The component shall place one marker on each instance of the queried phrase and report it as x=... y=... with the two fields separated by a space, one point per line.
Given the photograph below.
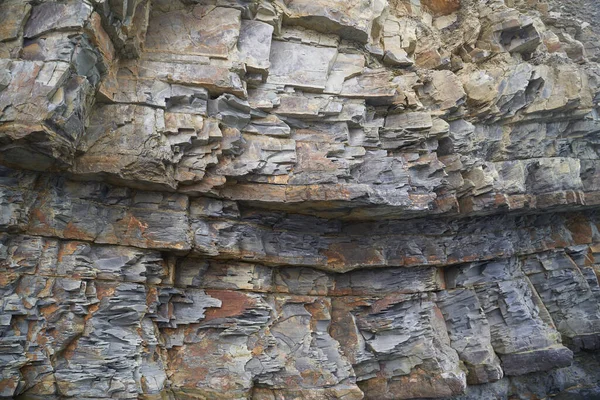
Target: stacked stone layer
x=297 y=199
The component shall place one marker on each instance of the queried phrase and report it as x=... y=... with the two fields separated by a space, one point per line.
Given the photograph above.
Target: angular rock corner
x=299 y=199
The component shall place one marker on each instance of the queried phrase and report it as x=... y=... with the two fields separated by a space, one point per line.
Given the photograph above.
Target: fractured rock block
x=443 y=92
x=143 y=154
x=216 y=360
x=126 y=23
x=306 y=356
x=82 y=260
x=469 y=334
x=399 y=41
x=16 y=197
x=216 y=79
x=57 y=15
x=26 y=346
x=15 y=13
x=409 y=120
x=230 y=110
x=375 y=85
x=209 y=365
x=58 y=102
x=552 y=174
x=320 y=162
x=255 y=45
x=180 y=307
x=300 y=65
x=263 y=155
x=568 y=296
x=223 y=275
x=564 y=87
x=521 y=330
x=28 y=255
x=303 y=281
x=391 y=342
x=202 y=30
x=346 y=66
x=100 y=213
x=104 y=360
x=388 y=281
x=271 y=125
x=78 y=50
x=353 y=21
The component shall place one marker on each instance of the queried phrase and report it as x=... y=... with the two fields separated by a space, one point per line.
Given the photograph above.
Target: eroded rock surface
x=290 y=199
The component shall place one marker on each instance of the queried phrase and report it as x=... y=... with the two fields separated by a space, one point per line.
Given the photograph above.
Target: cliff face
x=299 y=199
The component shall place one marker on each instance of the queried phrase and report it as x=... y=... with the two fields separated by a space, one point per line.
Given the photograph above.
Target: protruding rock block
x=538 y=360
x=74 y=211
x=200 y=30
x=49 y=16
x=576 y=311
x=353 y=20
x=44 y=108
x=505 y=29
x=15 y=13
x=520 y=327
x=144 y=155
x=392 y=340
x=300 y=65
x=255 y=45
x=469 y=333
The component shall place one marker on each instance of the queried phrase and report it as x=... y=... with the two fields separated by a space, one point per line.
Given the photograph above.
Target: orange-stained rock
x=441 y=7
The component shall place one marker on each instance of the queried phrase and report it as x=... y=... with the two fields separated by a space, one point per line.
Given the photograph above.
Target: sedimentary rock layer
x=290 y=199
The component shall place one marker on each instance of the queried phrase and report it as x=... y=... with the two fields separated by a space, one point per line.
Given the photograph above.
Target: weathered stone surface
x=469 y=334
x=202 y=30
x=353 y=20
x=255 y=45
x=56 y=16
x=96 y=212
x=520 y=328
x=15 y=14
x=300 y=65
x=441 y=6
x=143 y=153
x=391 y=341
x=576 y=312
x=235 y=199
x=43 y=113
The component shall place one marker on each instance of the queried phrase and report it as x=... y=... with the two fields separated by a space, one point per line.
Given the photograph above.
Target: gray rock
x=469 y=332
x=56 y=16
x=300 y=65
x=255 y=45
x=241 y=199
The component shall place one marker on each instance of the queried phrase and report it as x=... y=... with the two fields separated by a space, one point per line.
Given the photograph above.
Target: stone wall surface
x=293 y=199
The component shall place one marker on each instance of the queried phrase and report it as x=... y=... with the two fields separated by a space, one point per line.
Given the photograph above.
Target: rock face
x=292 y=199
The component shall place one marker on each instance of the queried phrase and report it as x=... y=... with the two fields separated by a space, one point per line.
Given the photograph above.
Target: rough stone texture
x=298 y=199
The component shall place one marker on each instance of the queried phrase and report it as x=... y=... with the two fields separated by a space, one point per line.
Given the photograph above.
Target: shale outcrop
x=299 y=199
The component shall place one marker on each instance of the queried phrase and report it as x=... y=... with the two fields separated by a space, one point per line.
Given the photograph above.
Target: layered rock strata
x=236 y=199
